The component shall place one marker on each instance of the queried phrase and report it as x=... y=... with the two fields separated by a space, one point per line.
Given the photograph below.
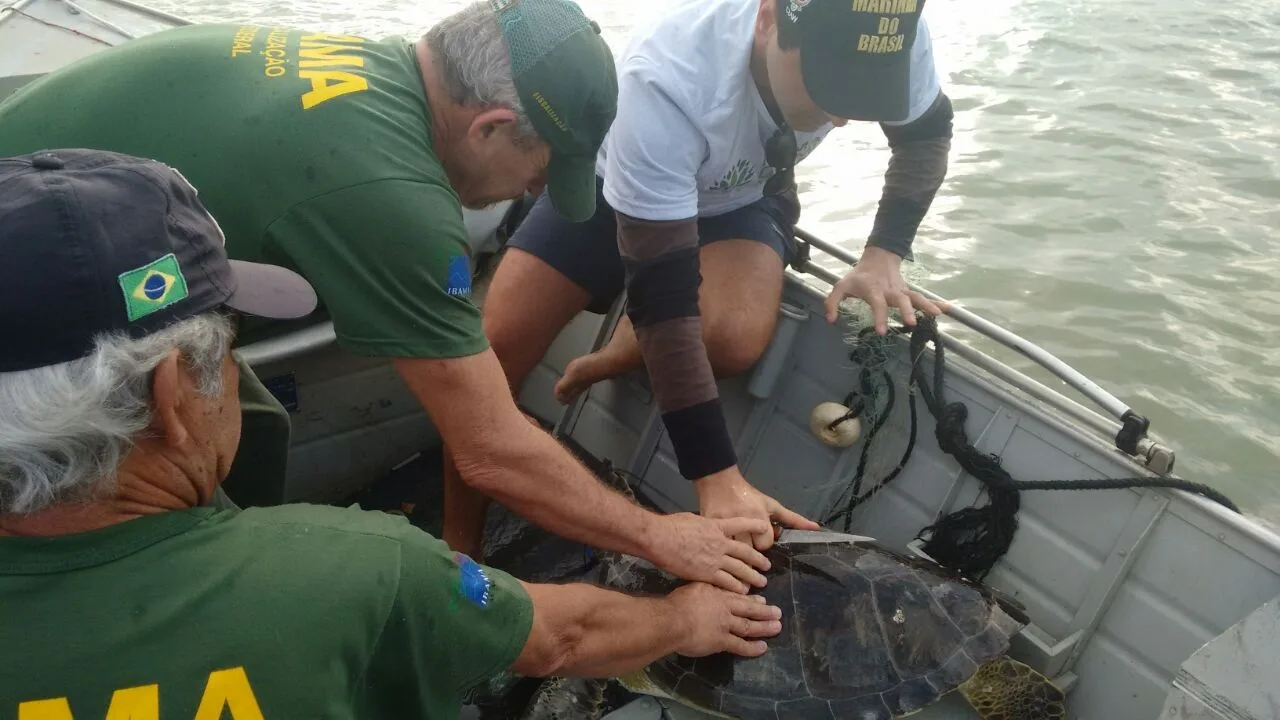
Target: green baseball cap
x=565 y=76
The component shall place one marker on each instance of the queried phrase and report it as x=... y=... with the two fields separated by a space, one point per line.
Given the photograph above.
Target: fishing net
x=879 y=394
x=890 y=377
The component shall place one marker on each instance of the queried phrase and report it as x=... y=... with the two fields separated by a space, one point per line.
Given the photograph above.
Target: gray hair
x=66 y=427
x=471 y=55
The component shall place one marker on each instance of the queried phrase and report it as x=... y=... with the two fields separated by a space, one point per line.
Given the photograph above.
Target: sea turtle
x=868 y=634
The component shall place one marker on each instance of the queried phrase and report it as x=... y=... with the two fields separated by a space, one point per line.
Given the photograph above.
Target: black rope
x=865 y=355
x=971 y=540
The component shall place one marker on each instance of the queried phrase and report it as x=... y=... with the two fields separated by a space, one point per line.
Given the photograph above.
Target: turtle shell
x=867 y=634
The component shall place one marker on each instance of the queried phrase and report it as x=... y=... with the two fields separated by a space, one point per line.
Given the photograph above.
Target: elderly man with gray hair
x=348 y=160
x=126 y=594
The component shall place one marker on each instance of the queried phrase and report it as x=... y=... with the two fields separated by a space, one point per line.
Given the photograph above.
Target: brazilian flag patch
x=153 y=286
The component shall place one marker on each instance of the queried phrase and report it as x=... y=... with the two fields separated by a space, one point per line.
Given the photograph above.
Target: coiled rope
x=971 y=540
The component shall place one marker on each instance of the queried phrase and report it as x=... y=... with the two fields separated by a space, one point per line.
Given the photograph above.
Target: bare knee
x=527 y=305
x=737 y=323
x=735 y=345
x=502 y=326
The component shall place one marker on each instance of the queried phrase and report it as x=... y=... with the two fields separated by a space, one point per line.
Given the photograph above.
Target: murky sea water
x=1114 y=196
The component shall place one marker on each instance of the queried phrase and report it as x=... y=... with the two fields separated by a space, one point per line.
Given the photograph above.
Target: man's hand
x=696 y=548
x=727 y=494
x=877 y=279
x=718 y=621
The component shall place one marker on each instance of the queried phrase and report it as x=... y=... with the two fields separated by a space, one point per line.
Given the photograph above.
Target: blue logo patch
x=459 y=276
x=473 y=581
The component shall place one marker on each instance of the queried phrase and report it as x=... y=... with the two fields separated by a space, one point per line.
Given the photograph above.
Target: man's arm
x=389 y=260
x=499 y=452
x=580 y=630
x=917 y=166
x=919 y=147
x=653 y=154
x=662 y=276
x=489 y=622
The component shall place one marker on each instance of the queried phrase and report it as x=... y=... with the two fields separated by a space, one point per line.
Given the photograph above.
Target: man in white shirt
x=718 y=100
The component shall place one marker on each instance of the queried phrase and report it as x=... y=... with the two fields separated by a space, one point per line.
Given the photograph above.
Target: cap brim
x=571 y=183
x=856 y=86
x=270 y=291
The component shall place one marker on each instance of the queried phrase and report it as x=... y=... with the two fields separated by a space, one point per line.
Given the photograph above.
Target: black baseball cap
x=94 y=242
x=855 y=55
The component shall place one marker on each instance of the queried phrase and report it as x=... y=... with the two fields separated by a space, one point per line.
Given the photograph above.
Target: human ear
x=766 y=19
x=168 y=399
x=492 y=122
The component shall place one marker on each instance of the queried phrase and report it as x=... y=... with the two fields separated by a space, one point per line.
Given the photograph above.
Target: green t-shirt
x=313 y=151
x=295 y=611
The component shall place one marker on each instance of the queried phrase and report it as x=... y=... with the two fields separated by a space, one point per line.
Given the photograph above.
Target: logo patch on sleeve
x=473 y=582
x=459 y=281
x=153 y=287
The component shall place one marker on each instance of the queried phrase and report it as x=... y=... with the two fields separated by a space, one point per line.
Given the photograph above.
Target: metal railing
x=1129 y=429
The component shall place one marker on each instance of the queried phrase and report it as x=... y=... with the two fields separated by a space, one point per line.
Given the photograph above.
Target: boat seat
x=1233 y=676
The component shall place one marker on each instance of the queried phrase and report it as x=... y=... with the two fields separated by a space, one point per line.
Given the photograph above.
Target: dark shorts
x=587 y=253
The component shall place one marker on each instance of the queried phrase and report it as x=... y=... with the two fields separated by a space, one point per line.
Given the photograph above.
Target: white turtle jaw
x=821 y=536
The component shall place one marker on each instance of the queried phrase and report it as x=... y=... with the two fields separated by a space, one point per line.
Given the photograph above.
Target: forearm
x=500 y=453
x=585 y=631
x=528 y=471
x=662 y=275
x=917 y=167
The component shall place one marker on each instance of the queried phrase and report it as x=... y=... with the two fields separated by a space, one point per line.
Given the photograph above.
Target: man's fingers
x=744 y=628
x=747 y=607
x=905 y=307
x=744 y=572
x=833 y=301
x=729 y=583
x=928 y=306
x=736 y=526
x=880 y=311
x=745 y=648
x=749 y=555
x=793 y=519
x=763 y=541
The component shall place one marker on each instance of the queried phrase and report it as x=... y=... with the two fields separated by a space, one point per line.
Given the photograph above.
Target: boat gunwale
x=1247 y=526
x=17 y=9
x=320 y=336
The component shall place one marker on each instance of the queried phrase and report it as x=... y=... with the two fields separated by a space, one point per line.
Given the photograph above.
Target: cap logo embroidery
x=539 y=98
x=153 y=287
x=887 y=38
x=459 y=281
x=794 y=7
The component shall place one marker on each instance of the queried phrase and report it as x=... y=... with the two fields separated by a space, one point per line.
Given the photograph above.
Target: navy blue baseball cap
x=855 y=55
x=95 y=242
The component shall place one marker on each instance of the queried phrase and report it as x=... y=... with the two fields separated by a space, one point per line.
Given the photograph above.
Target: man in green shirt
x=348 y=160
x=125 y=595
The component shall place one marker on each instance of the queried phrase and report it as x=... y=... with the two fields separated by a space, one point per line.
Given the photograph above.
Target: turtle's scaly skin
x=567 y=699
x=1005 y=689
x=868 y=634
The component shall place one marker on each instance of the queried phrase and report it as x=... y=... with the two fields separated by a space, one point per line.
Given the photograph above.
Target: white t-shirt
x=691 y=126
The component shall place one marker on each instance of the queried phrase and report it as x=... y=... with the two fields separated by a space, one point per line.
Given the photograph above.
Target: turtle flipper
x=1005 y=689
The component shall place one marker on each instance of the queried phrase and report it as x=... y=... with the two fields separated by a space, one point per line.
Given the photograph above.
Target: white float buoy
x=843 y=434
